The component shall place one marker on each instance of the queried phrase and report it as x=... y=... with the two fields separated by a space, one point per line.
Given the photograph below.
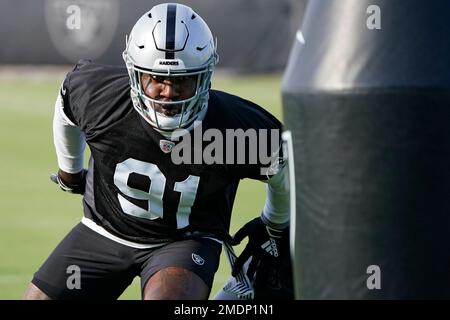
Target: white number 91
x=187 y=188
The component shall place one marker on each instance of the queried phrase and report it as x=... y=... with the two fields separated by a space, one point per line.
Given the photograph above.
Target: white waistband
x=99 y=229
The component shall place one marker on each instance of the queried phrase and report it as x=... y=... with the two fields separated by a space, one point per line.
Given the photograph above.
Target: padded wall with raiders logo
x=252 y=35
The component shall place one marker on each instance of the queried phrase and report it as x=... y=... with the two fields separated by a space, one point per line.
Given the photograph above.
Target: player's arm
x=69 y=143
x=269 y=232
x=276 y=212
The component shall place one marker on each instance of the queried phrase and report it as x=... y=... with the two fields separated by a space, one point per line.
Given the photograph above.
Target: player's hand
x=73 y=183
x=264 y=244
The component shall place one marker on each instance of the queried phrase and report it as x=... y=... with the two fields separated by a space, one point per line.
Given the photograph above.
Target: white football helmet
x=170 y=40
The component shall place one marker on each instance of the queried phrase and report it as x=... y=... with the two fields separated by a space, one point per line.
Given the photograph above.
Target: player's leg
x=34 y=293
x=85 y=265
x=175 y=283
x=182 y=270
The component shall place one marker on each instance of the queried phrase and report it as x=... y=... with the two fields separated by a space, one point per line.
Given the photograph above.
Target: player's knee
x=34 y=293
x=174 y=283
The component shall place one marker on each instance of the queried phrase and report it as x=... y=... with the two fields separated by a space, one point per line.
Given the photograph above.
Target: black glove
x=263 y=244
x=72 y=188
x=273 y=278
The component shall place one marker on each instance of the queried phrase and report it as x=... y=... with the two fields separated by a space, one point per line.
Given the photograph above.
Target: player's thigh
x=175 y=283
x=86 y=265
x=34 y=293
x=181 y=270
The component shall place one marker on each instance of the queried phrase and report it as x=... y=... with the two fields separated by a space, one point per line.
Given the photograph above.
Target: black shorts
x=87 y=265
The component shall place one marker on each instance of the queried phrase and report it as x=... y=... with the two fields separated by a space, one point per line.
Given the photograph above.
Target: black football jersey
x=134 y=189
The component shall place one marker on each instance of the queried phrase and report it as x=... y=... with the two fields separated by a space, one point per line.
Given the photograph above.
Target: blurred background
x=254 y=36
x=40 y=41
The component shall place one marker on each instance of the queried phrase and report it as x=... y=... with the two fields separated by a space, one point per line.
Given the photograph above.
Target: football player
x=145 y=215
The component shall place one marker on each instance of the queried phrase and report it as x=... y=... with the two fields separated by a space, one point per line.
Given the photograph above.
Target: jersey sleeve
x=94 y=96
x=254 y=141
x=68 y=139
x=276 y=211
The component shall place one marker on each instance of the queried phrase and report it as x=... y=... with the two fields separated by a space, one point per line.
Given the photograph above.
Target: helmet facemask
x=189 y=107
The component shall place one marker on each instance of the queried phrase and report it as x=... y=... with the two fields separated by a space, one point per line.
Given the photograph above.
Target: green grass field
x=35 y=215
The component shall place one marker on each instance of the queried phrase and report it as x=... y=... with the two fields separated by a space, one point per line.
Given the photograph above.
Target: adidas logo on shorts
x=271 y=247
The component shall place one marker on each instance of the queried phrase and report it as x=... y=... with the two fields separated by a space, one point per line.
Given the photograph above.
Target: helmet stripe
x=170 y=31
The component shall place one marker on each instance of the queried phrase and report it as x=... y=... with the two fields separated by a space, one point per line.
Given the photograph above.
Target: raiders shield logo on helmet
x=166 y=145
